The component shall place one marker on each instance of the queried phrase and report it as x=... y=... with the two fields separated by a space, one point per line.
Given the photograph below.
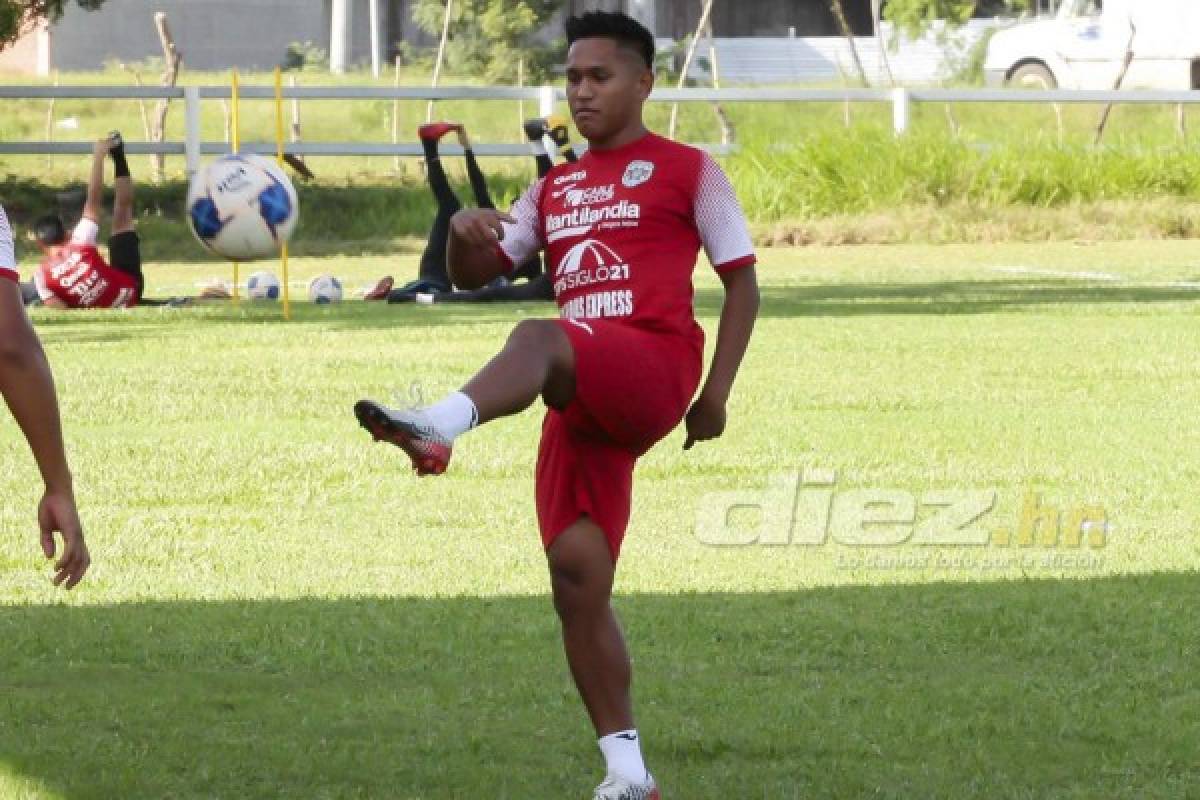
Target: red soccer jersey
x=622 y=228
x=80 y=277
x=8 y=261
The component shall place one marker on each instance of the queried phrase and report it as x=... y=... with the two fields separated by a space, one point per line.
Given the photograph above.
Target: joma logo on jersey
x=587 y=263
x=574 y=177
x=581 y=220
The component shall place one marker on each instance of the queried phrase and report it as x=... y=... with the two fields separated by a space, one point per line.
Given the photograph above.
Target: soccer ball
x=325 y=289
x=242 y=207
x=263 y=286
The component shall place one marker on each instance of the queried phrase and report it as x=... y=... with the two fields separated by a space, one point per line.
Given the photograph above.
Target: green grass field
x=278 y=609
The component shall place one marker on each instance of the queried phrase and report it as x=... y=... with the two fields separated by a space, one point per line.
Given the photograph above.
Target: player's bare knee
x=578 y=596
x=536 y=336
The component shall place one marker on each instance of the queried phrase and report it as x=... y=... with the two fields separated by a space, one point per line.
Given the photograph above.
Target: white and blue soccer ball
x=242 y=207
x=263 y=285
x=325 y=289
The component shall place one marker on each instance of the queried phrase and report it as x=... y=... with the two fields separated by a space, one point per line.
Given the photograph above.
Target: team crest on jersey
x=637 y=173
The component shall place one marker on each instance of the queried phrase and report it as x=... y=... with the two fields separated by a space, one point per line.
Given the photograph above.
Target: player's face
x=607 y=84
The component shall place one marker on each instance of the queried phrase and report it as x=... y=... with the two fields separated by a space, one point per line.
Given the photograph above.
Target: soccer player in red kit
x=621 y=228
x=73 y=274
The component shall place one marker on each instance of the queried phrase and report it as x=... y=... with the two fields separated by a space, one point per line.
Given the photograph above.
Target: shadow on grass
x=1028 y=689
x=943 y=298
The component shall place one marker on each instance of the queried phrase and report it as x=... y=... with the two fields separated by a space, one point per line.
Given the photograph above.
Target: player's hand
x=705 y=420
x=57 y=514
x=480 y=227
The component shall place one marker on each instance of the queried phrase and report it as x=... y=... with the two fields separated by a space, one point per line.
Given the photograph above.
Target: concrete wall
x=211 y=34
x=22 y=57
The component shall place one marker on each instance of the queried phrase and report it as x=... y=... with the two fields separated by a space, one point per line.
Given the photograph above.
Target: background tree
x=915 y=17
x=488 y=37
x=19 y=16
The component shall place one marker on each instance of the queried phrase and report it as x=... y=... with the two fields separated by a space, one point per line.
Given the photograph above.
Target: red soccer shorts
x=632 y=387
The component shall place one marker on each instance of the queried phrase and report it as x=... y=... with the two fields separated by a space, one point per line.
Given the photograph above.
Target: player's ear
x=646 y=83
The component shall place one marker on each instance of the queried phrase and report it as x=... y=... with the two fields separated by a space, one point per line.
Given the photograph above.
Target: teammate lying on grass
x=28 y=389
x=433 y=283
x=73 y=274
x=618 y=370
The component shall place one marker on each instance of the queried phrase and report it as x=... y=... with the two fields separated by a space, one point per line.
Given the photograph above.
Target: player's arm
x=28 y=389
x=726 y=237
x=472 y=256
x=706 y=418
x=93 y=206
x=485 y=244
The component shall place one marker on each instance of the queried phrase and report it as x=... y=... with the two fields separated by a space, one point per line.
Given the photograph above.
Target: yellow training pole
x=236 y=141
x=283 y=250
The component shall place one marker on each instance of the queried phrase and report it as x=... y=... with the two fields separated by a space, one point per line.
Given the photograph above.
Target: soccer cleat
x=380 y=290
x=411 y=431
x=615 y=788
x=408 y=292
x=432 y=131
x=115 y=142
x=535 y=129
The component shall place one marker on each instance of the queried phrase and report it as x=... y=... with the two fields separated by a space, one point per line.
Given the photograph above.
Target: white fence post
x=546 y=101
x=191 y=144
x=901 y=110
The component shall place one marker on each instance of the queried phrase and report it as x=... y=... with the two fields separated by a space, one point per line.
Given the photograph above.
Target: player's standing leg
x=581 y=576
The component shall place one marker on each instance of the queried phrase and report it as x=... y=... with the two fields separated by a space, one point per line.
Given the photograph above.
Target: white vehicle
x=1085 y=44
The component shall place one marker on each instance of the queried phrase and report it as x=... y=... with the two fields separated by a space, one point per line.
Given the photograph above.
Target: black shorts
x=125 y=254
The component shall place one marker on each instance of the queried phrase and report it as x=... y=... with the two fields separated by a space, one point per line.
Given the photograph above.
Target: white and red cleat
x=411 y=431
x=615 y=788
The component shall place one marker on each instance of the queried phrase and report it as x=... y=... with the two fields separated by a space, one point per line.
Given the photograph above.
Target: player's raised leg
x=122 y=220
x=431 y=275
x=581 y=576
x=536 y=361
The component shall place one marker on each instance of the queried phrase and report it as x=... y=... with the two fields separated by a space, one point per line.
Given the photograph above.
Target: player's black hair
x=622 y=28
x=49 y=230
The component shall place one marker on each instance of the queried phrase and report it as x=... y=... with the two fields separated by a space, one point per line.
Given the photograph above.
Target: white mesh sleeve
x=8 y=258
x=524 y=239
x=719 y=219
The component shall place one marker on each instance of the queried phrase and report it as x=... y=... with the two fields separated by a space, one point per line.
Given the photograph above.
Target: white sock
x=623 y=753
x=454 y=415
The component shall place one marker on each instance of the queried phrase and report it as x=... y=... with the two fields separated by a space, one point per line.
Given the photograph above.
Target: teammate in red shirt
x=621 y=228
x=73 y=274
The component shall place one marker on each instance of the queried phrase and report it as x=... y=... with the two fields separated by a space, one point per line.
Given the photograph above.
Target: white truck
x=1085 y=44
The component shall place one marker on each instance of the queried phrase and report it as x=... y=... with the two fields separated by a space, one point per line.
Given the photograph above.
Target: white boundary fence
x=902 y=101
